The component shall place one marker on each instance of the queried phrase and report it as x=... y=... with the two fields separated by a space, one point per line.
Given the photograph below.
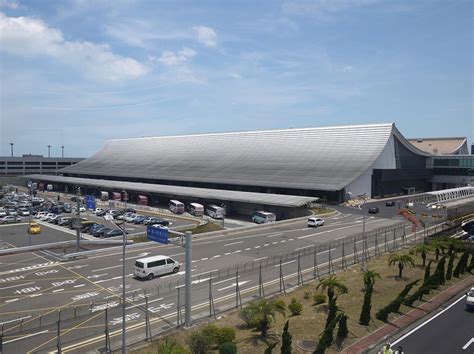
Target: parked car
x=100 y=231
x=67 y=208
x=373 y=210
x=161 y=222
x=55 y=219
x=23 y=212
x=470 y=299
x=64 y=221
x=101 y=213
x=9 y=219
x=98 y=210
x=12 y=212
x=139 y=219
x=86 y=225
x=315 y=222
x=129 y=210
x=3 y=212
x=112 y=233
x=94 y=227
x=129 y=217
x=390 y=203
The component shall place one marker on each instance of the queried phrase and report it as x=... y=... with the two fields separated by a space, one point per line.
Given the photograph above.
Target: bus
x=176 y=206
x=215 y=212
x=196 y=209
x=263 y=217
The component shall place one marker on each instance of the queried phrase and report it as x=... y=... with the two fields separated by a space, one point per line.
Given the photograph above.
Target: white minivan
x=315 y=222
x=151 y=267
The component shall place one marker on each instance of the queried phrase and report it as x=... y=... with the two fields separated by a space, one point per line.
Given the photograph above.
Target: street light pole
x=62 y=151
x=364 y=240
x=49 y=150
x=11 y=148
x=78 y=220
x=124 y=307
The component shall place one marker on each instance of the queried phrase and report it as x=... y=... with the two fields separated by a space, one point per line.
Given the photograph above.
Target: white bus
x=151 y=267
x=263 y=217
x=215 y=212
x=176 y=206
x=196 y=209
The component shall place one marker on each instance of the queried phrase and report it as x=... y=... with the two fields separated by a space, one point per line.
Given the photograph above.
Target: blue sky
x=78 y=72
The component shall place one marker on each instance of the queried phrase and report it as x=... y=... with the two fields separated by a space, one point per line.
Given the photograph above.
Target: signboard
x=157 y=234
x=90 y=202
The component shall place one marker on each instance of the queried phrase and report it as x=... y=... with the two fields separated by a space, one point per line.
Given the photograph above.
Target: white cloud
x=322 y=9
x=176 y=58
x=29 y=37
x=206 y=35
x=9 y=4
x=236 y=76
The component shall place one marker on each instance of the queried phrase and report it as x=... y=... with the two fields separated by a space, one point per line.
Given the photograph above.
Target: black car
x=129 y=210
x=113 y=233
x=373 y=210
x=99 y=232
x=101 y=213
x=390 y=203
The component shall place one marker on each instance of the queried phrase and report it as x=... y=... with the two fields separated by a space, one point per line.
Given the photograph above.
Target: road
x=452 y=331
x=34 y=286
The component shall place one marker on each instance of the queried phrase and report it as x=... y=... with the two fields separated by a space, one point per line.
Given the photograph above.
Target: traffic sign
x=157 y=234
x=90 y=202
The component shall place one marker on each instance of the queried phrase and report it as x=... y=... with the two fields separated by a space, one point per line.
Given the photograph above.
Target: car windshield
x=138 y=264
x=470 y=293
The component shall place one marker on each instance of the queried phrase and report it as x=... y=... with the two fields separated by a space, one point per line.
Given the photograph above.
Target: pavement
x=374 y=341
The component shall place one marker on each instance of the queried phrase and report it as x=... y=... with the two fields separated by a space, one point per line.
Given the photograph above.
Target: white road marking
x=332 y=249
x=248 y=249
x=296 y=249
x=259 y=259
x=275 y=235
x=15 y=286
x=78 y=266
x=79 y=286
x=257 y=246
x=274 y=242
x=233 y=285
x=225 y=280
x=291 y=239
x=427 y=321
x=293 y=261
x=101 y=269
x=35 y=295
x=216 y=256
x=265 y=245
x=468 y=343
x=57 y=290
x=11 y=300
x=15 y=320
x=204 y=259
x=95 y=276
x=226 y=254
x=28 y=336
x=238 y=251
x=233 y=243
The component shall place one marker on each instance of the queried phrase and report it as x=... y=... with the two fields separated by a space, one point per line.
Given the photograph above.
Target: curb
x=401 y=323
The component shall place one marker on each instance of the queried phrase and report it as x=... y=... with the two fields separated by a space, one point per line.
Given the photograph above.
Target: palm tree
x=332 y=284
x=423 y=249
x=439 y=246
x=369 y=277
x=263 y=312
x=401 y=260
x=451 y=244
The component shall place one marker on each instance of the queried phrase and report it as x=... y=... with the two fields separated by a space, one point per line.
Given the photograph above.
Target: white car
x=3 y=212
x=315 y=222
x=130 y=218
x=470 y=299
x=98 y=210
x=9 y=219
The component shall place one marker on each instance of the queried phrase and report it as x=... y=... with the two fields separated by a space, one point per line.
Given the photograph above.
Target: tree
x=426 y=277
x=369 y=277
x=471 y=264
x=402 y=261
x=169 y=346
x=449 y=271
x=332 y=285
x=439 y=274
x=286 y=340
x=462 y=265
x=327 y=337
x=270 y=347
x=295 y=307
x=262 y=313
x=439 y=246
x=423 y=249
x=332 y=311
x=394 y=305
x=452 y=244
x=364 y=317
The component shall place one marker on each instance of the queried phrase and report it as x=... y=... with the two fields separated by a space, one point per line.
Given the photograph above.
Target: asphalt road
x=452 y=331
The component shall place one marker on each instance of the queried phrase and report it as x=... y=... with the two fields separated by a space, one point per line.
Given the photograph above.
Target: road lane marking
x=276 y=234
x=427 y=321
x=15 y=286
x=225 y=280
x=35 y=295
x=332 y=249
x=301 y=248
x=233 y=243
x=259 y=259
x=101 y=269
x=28 y=336
x=233 y=285
x=12 y=300
x=468 y=344
x=79 y=286
x=15 y=320
x=293 y=261
x=57 y=290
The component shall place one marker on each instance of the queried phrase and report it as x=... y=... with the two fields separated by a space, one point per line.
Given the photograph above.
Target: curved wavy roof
x=327 y=158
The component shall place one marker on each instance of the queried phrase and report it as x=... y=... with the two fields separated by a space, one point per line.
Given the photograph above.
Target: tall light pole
x=11 y=148
x=49 y=150
x=364 y=240
x=78 y=220
x=62 y=151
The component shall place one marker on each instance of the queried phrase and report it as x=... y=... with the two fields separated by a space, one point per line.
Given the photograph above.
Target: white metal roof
x=184 y=192
x=327 y=158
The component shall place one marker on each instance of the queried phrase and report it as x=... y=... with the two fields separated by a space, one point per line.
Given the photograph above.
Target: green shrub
x=212 y=332
x=449 y=270
x=227 y=348
x=286 y=339
x=169 y=346
x=319 y=298
x=364 y=317
x=342 y=330
x=199 y=343
x=225 y=335
x=295 y=307
x=307 y=295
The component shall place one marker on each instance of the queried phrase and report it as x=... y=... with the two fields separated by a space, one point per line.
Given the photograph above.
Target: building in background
x=34 y=164
x=442 y=146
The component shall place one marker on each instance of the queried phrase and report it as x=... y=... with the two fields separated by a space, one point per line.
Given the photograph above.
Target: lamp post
x=49 y=150
x=364 y=240
x=11 y=148
x=62 y=151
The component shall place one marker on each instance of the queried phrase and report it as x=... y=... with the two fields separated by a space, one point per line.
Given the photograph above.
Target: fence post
x=58 y=336
x=331 y=267
x=261 y=292
x=238 y=300
x=107 y=338
x=385 y=236
x=282 y=280
x=395 y=245
x=376 y=247
x=356 y=256
x=1 y=339
x=178 y=310
x=211 y=299
x=147 y=320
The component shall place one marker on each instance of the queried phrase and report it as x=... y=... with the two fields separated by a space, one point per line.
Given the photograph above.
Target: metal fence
x=270 y=276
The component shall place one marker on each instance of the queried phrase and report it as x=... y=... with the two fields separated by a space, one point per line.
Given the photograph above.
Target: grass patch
x=310 y=323
x=209 y=227
x=321 y=210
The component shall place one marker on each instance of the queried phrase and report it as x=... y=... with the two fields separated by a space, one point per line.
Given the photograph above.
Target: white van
x=263 y=217
x=196 y=209
x=151 y=267
x=176 y=206
x=215 y=212
x=315 y=222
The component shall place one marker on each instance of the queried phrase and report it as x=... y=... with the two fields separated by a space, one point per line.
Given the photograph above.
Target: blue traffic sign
x=157 y=234
x=90 y=202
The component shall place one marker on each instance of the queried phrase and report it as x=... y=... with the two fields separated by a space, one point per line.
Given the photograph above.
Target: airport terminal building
x=288 y=167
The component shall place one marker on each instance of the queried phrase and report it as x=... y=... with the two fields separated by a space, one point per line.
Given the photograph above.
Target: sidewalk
x=390 y=329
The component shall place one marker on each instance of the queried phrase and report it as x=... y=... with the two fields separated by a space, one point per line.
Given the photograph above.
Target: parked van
x=150 y=267
x=176 y=206
x=263 y=217
x=196 y=209
x=104 y=196
x=215 y=212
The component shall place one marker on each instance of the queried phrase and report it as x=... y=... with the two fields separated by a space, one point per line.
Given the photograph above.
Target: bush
x=342 y=330
x=199 y=343
x=449 y=270
x=364 y=318
x=319 y=298
x=247 y=315
x=212 y=332
x=307 y=295
x=227 y=348
x=394 y=306
x=295 y=307
x=169 y=346
x=225 y=335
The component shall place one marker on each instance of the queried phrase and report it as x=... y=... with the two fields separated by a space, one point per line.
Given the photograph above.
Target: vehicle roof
x=196 y=205
x=264 y=212
x=175 y=201
x=152 y=258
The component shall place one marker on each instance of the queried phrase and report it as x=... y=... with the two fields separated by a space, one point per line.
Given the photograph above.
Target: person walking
x=399 y=350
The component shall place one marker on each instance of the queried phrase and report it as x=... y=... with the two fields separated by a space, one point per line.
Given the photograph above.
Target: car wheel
x=150 y=276
x=175 y=270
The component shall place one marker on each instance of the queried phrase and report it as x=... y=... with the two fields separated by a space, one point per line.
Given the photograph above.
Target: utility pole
x=78 y=220
x=187 y=278
x=62 y=151
x=124 y=302
x=11 y=148
x=49 y=150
